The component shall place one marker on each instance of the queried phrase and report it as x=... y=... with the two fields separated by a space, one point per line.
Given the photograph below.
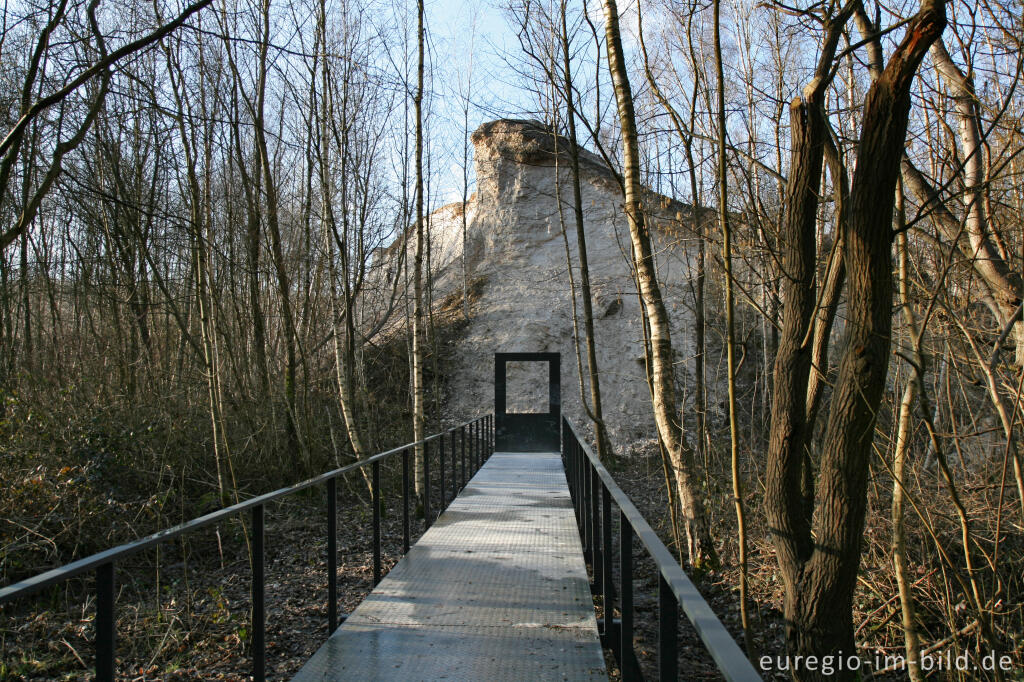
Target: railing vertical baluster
x=332 y=554
x=462 y=448
x=259 y=644
x=566 y=462
x=375 y=484
x=581 y=467
x=455 y=465
x=426 y=481
x=440 y=457
x=574 y=458
x=668 y=624
x=405 y=501
x=576 y=465
x=595 y=526
x=591 y=512
x=588 y=543
x=607 y=586
x=626 y=597
x=106 y=623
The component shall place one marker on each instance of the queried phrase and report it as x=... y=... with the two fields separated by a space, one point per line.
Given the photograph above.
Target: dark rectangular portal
x=525 y=423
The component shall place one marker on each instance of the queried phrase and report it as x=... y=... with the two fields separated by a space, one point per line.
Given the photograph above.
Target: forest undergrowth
x=92 y=470
x=940 y=607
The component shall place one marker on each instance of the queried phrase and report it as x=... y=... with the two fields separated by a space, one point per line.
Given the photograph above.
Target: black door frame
x=527 y=432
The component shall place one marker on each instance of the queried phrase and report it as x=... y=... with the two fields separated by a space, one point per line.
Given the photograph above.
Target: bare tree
x=700 y=549
x=819 y=555
x=418 y=318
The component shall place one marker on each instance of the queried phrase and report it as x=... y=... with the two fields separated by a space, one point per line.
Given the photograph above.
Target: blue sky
x=454 y=26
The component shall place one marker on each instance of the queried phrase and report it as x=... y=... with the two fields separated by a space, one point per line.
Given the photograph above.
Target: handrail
x=28 y=586
x=480 y=432
x=584 y=471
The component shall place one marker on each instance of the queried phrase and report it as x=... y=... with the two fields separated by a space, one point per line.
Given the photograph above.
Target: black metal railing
x=593 y=492
x=469 y=446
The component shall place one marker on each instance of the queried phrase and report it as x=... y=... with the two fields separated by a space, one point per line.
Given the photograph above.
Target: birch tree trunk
x=700 y=549
x=730 y=330
x=418 y=336
x=904 y=431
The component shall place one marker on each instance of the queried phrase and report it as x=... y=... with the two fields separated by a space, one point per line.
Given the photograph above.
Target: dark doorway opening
x=525 y=423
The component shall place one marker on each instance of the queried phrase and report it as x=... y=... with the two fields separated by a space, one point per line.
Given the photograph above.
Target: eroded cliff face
x=516 y=249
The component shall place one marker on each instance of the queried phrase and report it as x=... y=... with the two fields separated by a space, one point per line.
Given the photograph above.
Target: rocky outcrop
x=515 y=247
x=528 y=143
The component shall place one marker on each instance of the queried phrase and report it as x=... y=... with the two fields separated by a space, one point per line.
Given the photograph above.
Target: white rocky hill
x=516 y=253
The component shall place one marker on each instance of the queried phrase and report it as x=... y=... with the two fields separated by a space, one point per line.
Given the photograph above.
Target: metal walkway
x=495 y=590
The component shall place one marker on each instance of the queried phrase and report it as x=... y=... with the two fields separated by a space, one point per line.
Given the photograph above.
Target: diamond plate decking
x=495 y=590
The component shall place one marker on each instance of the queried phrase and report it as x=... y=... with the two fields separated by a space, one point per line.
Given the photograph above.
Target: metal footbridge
x=497 y=589
x=503 y=583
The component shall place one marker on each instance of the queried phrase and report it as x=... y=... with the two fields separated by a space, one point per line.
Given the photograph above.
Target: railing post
x=106 y=623
x=577 y=455
x=588 y=536
x=561 y=435
x=462 y=447
x=607 y=584
x=573 y=471
x=595 y=526
x=440 y=457
x=668 y=624
x=455 y=465
x=564 y=440
x=259 y=645
x=427 y=521
x=405 y=501
x=576 y=483
x=626 y=657
x=375 y=483
x=332 y=555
